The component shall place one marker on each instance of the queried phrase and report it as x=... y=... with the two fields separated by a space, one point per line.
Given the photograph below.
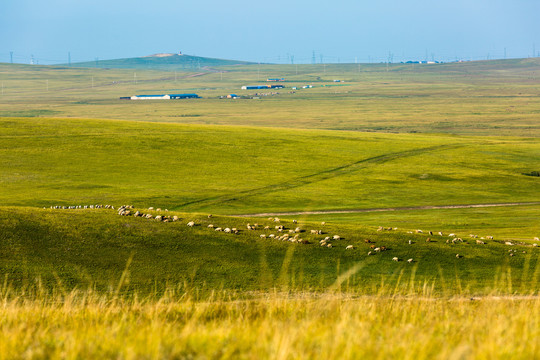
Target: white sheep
x=227 y=230
x=410 y=261
x=377 y=249
x=218 y=229
x=395 y=259
x=262 y=236
x=336 y=237
x=191 y=224
x=349 y=247
x=329 y=245
x=211 y=226
x=369 y=253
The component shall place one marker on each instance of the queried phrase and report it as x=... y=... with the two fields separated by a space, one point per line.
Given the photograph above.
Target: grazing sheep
x=158 y=209
x=297 y=230
x=175 y=218
x=323 y=243
x=419 y=231
x=267 y=227
x=271 y=236
x=377 y=249
x=262 y=236
x=234 y=230
x=209 y=216
x=383 y=248
x=410 y=242
x=508 y=243
x=369 y=253
x=480 y=242
x=458 y=256
x=440 y=233
x=314 y=231
x=372 y=246
x=535 y=245
x=367 y=241
x=211 y=226
x=536 y=239
x=329 y=245
x=227 y=230
x=428 y=240
x=336 y=237
x=349 y=247
x=410 y=261
x=137 y=214
x=395 y=259
x=276 y=220
x=191 y=224
x=159 y=218
x=218 y=229
x=452 y=235
x=295 y=222
x=511 y=254
x=323 y=223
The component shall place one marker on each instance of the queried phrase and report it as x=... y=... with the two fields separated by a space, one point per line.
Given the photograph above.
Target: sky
x=278 y=31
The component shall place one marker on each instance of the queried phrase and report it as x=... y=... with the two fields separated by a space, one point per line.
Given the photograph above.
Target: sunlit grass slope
x=98 y=249
x=235 y=170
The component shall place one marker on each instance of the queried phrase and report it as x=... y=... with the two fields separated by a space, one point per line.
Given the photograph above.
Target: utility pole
x=313 y=57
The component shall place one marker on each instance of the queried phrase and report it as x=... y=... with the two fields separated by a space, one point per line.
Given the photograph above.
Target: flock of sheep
x=279 y=232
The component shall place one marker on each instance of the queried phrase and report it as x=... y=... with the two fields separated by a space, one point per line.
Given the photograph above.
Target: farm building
x=261 y=87
x=165 y=97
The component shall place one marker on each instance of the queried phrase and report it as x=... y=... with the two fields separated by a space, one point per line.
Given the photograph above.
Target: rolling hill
x=160 y=62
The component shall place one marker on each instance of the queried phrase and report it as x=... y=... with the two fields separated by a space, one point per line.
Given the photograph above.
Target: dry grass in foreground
x=87 y=325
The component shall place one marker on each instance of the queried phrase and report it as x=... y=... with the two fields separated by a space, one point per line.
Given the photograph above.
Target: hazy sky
x=269 y=31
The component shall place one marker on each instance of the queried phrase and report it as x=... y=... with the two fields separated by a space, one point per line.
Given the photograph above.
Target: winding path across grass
x=353 y=211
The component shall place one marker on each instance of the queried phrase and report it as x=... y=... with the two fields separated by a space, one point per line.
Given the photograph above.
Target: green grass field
x=396 y=136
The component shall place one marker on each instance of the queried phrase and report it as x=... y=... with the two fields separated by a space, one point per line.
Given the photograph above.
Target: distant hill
x=160 y=62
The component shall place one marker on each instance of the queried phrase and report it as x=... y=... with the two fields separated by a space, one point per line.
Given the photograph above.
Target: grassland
x=89 y=283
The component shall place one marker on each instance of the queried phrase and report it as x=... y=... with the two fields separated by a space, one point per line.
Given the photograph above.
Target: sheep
x=158 y=209
x=267 y=227
x=227 y=230
x=367 y=241
x=297 y=230
x=276 y=220
x=323 y=223
x=327 y=238
x=508 y=243
x=536 y=239
x=211 y=226
x=262 y=236
x=410 y=260
x=209 y=216
x=383 y=248
x=159 y=218
x=336 y=237
x=428 y=240
x=535 y=245
x=410 y=242
x=458 y=256
x=175 y=218
x=369 y=253
x=377 y=249
x=234 y=230
x=329 y=245
x=314 y=231
x=452 y=235
x=349 y=247
x=440 y=233
x=218 y=229
x=191 y=224
x=395 y=259
x=295 y=221
x=480 y=242
x=419 y=231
